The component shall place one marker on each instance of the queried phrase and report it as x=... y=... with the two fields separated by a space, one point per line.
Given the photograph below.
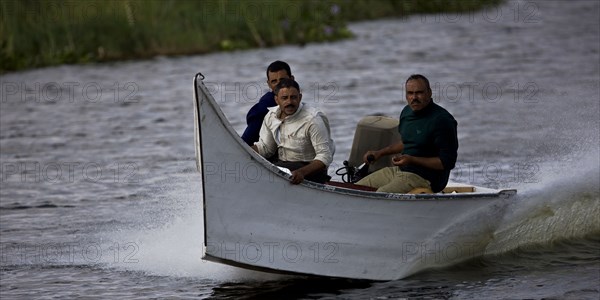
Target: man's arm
x=250 y=134
x=266 y=145
x=255 y=118
x=299 y=174
x=391 y=149
x=434 y=163
x=320 y=141
x=319 y=138
x=445 y=139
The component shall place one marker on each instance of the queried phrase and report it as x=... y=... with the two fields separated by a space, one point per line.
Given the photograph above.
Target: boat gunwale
x=198 y=144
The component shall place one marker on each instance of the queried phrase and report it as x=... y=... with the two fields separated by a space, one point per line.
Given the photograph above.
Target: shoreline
x=52 y=32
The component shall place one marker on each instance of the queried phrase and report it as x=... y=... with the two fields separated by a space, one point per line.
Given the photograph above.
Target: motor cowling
x=373 y=133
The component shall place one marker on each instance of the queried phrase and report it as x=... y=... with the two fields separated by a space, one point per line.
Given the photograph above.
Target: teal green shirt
x=430 y=132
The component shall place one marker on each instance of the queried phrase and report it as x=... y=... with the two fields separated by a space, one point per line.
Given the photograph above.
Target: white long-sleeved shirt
x=303 y=136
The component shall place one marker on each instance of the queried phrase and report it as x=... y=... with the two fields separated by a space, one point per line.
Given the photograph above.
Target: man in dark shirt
x=276 y=71
x=428 y=149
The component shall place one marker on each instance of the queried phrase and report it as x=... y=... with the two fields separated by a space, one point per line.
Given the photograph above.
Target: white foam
x=564 y=203
x=175 y=247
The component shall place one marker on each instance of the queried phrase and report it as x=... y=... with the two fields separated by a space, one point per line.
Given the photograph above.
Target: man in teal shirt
x=428 y=146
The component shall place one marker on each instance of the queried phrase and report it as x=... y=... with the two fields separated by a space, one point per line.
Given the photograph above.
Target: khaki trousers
x=392 y=180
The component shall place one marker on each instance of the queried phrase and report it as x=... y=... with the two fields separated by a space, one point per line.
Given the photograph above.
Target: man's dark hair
x=417 y=77
x=286 y=83
x=279 y=65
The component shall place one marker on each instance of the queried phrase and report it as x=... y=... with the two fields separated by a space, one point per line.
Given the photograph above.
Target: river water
x=100 y=196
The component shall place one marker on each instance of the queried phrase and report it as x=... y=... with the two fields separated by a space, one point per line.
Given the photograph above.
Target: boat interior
x=376 y=132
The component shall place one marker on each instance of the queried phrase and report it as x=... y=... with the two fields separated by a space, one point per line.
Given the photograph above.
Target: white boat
x=255 y=219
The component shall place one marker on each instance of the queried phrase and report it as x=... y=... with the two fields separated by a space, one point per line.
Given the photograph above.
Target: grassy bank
x=36 y=33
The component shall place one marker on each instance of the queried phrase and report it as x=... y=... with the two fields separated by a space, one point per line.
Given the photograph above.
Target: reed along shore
x=38 y=33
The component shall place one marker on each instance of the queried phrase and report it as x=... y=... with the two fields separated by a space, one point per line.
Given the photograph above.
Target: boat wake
x=564 y=204
x=561 y=206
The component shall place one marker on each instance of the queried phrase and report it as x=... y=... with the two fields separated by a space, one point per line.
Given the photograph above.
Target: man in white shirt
x=299 y=135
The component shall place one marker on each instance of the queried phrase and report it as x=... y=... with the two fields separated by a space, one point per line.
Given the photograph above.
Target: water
x=100 y=196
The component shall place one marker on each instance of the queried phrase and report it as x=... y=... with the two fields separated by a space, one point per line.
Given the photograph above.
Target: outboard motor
x=372 y=133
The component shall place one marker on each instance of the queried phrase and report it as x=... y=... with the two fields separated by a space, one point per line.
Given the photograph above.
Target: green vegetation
x=36 y=33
